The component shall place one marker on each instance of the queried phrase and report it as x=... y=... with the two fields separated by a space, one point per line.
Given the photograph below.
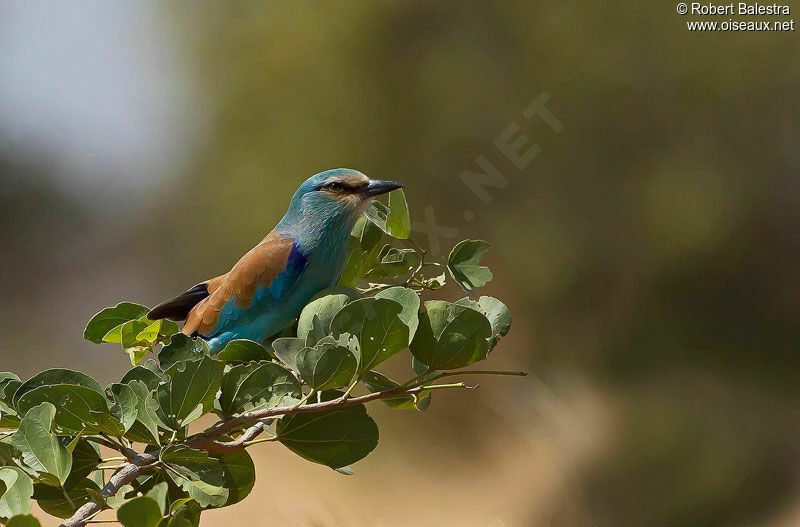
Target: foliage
x=298 y=390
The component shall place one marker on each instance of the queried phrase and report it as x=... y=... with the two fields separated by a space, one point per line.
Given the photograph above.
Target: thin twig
x=249 y=417
x=203 y=442
x=109 y=459
x=129 y=453
x=447 y=386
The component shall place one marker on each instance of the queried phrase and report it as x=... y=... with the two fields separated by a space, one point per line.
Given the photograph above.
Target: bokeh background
x=649 y=253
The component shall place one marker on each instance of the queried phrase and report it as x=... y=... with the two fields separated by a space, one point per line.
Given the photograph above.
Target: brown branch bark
x=127 y=473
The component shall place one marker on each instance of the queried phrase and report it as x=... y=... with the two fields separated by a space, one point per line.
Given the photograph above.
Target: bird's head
x=338 y=194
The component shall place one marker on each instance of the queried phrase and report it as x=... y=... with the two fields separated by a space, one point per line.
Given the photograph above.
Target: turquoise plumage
x=269 y=286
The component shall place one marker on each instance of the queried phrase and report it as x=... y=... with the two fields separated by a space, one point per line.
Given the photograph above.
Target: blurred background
x=648 y=252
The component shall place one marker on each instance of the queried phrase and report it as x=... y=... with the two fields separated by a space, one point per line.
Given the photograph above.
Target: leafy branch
x=307 y=391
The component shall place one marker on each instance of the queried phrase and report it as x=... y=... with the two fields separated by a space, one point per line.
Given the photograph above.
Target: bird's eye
x=334 y=186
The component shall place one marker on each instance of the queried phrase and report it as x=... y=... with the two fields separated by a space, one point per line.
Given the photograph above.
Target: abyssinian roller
x=268 y=287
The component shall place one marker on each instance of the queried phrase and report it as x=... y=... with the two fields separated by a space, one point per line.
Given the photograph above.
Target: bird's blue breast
x=274 y=307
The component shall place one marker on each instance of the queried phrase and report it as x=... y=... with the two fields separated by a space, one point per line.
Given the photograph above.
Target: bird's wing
x=275 y=264
x=178 y=308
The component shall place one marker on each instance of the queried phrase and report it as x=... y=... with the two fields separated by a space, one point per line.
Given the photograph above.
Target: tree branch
x=207 y=441
x=249 y=417
x=127 y=473
x=203 y=442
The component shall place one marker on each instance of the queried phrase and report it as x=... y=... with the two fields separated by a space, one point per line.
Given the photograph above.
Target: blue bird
x=268 y=287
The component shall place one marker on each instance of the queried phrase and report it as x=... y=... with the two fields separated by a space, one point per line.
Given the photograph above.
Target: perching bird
x=268 y=287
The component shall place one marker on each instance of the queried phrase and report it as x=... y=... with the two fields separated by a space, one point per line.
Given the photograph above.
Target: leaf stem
x=418 y=378
x=109 y=459
x=260 y=440
x=447 y=386
x=350 y=389
x=110 y=443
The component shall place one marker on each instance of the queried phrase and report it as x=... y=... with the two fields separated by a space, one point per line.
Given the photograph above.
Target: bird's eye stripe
x=338 y=185
x=335 y=185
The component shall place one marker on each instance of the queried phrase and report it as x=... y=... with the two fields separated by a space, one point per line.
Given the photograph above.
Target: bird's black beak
x=377 y=187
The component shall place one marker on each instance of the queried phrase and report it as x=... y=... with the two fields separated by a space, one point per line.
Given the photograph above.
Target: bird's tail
x=178 y=308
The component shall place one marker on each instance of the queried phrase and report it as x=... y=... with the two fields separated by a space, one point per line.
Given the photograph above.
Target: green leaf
x=160 y=494
x=127 y=333
x=317 y=332
x=9 y=383
x=253 y=386
x=111 y=317
x=324 y=305
x=78 y=409
x=98 y=498
x=179 y=504
x=137 y=353
x=464 y=265
x=450 y=336
x=329 y=364
x=153 y=366
x=53 y=500
x=145 y=427
x=202 y=476
x=23 y=520
x=162 y=327
x=57 y=376
x=85 y=459
x=287 y=348
x=243 y=351
x=140 y=512
x=495 y=311
x=146 y=375
x=181 y=348
x=16 y=498
x=9 y=455
x=362 y=252
x=116 y=501
x=378 y=382
x=6 y=376
x=398 y=222
x=335 y=438
x=393 y=263
x=378 y=213
x=410 y=302
x=124 y=404
x=189 y=393
x=187 y=515
x=423 y=403
x=48 y=460
x=99 y=478
x=377 y=325
x=437 y=282
x=151 y=483
x=240 y=475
